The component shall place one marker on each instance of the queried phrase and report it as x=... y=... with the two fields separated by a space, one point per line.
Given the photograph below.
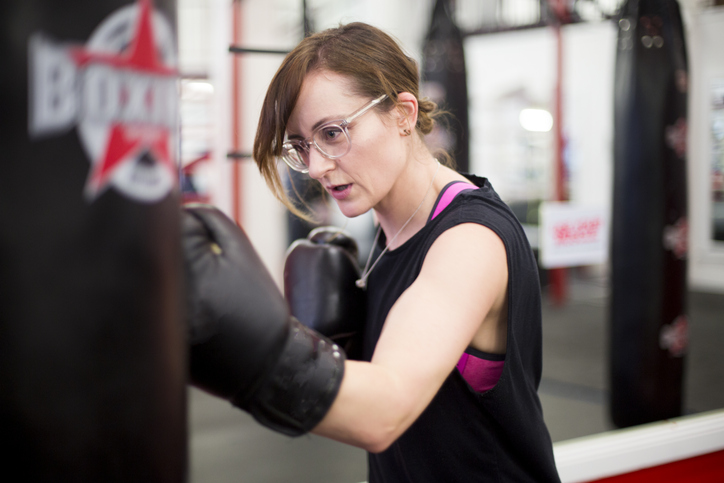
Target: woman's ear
x=408 y=109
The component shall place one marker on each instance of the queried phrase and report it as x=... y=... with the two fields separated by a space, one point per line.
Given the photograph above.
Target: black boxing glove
x=319 y=284
x=244 y=345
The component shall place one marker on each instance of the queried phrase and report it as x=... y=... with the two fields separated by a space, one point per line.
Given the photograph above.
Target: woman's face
x=362 y=178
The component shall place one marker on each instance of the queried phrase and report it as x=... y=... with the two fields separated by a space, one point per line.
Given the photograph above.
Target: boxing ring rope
x=687 y=449
x=639 y=453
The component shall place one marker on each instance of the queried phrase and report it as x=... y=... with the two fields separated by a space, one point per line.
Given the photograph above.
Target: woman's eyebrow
x=317 y=124
x=324 y=121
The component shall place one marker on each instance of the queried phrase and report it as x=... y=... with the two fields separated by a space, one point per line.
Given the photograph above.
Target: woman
x=452 y=344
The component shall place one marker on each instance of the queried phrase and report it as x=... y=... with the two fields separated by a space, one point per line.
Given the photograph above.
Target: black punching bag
x=444 y=81
x=92 y=344
x=649 y=231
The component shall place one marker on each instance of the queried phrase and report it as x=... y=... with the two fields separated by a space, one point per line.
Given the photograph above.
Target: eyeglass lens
x=331 y=140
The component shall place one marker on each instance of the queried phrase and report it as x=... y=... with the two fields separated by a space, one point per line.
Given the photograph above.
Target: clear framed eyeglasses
x=331 y=139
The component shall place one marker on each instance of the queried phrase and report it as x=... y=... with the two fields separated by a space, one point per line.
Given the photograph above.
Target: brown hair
x=369 y=57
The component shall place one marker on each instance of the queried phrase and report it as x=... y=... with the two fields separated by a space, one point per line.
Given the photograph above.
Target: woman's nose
x=319 y=165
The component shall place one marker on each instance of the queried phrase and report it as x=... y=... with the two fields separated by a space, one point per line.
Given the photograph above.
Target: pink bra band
x=481 y=374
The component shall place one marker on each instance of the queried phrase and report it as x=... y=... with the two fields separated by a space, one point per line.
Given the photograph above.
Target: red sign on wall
x=572 y=235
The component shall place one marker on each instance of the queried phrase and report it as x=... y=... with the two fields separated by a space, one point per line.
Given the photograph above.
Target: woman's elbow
x=391 y=423
x=379 y=435
x=378 y=441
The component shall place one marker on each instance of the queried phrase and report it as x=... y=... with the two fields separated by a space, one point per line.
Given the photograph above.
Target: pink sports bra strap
x=449 y=193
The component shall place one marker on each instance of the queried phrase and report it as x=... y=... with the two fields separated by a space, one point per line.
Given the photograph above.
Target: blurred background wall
x=507 y=71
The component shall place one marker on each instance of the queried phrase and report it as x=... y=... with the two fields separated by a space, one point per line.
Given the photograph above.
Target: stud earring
x=406 y=132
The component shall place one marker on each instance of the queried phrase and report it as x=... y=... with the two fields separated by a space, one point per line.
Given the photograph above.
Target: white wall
x=515 y=70
x=588 y=113
x=506 y=73
x=705 y=36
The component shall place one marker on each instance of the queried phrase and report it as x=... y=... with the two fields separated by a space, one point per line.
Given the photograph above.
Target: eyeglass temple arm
x=366 y=108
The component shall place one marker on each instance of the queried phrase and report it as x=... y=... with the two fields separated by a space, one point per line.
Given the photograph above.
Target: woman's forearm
x=371 y=409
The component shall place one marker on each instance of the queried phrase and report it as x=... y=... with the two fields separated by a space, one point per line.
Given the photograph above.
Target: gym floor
x=226 y=445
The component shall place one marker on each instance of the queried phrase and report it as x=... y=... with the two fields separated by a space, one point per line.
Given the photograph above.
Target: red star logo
x=126 y=141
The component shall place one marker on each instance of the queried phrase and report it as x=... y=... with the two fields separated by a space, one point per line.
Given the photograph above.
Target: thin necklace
x=362 y=282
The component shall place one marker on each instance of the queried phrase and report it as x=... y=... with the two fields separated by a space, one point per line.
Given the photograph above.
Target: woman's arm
x=463 y=277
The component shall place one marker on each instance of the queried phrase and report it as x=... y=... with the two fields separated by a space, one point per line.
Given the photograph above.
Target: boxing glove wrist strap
x=302 y=386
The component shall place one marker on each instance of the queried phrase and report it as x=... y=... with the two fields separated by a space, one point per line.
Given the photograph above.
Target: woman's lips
x=340 y=191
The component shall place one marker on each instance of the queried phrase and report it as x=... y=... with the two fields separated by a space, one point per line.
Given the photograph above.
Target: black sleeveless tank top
x=466 y=436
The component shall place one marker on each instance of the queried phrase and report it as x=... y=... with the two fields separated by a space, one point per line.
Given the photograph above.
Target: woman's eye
x=331 y=134
x=299 y=146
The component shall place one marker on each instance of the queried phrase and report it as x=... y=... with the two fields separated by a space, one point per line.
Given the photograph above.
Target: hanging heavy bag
x=92 y=334
x=648 y=324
